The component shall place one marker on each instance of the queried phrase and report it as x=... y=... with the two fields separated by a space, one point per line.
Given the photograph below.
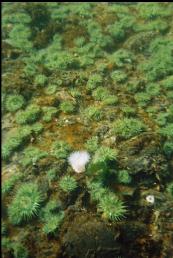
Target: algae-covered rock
x=143 y=155
x=88 y=236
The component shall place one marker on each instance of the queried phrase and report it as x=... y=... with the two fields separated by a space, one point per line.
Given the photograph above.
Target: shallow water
x=94 y=77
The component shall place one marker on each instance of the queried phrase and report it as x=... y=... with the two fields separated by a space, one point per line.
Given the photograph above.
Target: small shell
x=150 y=199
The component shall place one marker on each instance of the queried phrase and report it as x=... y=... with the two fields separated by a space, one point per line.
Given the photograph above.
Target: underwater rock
x=87 y=236
x=132 y=230
x=158 y=197
x=148 y=163
x=143 y=155
x=140 y=41
x=161 y=222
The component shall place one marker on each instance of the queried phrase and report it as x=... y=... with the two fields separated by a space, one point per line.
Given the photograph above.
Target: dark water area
x=87 y=130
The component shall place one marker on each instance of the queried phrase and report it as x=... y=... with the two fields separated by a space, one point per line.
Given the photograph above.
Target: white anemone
x=78 y=160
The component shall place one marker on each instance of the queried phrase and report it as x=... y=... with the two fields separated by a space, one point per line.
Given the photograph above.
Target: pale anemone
x=78 y=160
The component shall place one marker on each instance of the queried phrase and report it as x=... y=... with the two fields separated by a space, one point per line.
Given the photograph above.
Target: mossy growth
x=93 y=113
x=29 y=115
x=68 y=184
x=60 y=149
x=128 y=127
x=26 y=204
x=123 y=177
x=94 y=81
x=112 y=207
x=40 y=80
x=67 y=106
x=14 y=102
x=31 y=155
x=119 y=76
x=49 y=113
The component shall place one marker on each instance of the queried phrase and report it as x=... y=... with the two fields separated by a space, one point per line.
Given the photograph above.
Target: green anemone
x=25 y=204
x=112 y=207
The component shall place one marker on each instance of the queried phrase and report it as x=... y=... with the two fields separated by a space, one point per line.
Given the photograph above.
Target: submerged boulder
x=143 y=155
x=88 y=236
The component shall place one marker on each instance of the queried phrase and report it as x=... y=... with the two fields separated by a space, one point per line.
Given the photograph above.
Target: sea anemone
x=53 y=223
x=104 y=154
x=25 y=204
x=78 y=160
x=68 y=183
x=112 y=207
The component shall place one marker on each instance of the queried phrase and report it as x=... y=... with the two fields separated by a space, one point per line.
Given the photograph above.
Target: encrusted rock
x=143 y=155
x=88 y=236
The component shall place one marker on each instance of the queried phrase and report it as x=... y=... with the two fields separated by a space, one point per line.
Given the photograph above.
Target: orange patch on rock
x=75 y=134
